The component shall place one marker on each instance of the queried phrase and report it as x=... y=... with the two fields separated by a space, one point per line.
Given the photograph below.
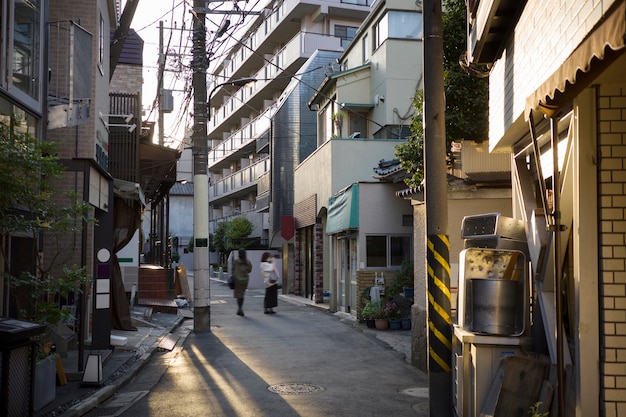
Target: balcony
x=286 y=61
x=272 y=28
x=489 y=23
x=239 y=182
x=239 y=140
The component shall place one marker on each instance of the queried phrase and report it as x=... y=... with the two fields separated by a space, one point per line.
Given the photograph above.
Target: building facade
x=557 y=106
x=258 y=133
x=345 y=237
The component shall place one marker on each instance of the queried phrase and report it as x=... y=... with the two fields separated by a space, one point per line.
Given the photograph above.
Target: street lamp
x=239 y=82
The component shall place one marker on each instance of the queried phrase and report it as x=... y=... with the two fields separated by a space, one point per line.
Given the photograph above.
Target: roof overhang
x=157 y=170
x=602 y=46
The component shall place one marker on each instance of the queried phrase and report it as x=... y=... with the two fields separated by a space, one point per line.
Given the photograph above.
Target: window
x=101 y=42
x=403 y=25
x=358 y=123
x=376 y=248
x=345 y=33
x=387 y=251
x=357 y=2
x=27 y=47
x=397 y=25
x=366 y=48
x=400 y=249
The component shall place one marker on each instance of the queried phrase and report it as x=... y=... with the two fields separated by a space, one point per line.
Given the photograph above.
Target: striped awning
x=602 y=46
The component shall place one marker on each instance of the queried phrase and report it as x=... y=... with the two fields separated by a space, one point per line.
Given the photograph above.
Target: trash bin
x=17 y=358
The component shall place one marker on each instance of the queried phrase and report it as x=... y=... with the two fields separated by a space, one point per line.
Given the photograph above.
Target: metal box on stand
x=493 y=292
x=493 y=310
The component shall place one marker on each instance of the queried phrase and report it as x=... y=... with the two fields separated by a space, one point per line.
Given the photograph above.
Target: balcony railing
x=239 y=180
x=303 y=45
x=248 y=133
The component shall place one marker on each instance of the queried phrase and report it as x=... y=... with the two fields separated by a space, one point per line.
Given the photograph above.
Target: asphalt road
x=298 y=362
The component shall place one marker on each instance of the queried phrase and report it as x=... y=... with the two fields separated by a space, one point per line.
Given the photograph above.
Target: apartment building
x=259 y=132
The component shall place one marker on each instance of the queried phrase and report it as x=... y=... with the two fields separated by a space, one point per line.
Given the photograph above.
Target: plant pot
x=381 y=324
x=406 y=323
x=370 y=323
x=409 y=292
x=395 y=324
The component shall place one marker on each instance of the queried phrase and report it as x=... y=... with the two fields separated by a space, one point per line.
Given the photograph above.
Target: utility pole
x=162 y=59
x=202 y=291
x=436 y=192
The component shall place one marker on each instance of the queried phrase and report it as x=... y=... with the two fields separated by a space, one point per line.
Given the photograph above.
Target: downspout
x=556 y=229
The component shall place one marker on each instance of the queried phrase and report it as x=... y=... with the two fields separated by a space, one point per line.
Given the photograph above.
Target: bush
x=402 y=279
x=373 y=310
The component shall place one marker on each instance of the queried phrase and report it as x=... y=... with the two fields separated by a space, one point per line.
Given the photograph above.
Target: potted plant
x=392 y=311
x=369 y=312
x=376 y=311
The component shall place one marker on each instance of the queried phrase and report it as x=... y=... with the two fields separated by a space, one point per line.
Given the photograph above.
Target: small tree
x=466 y=98
x=237 y=232
x=29 y=207
x=230 y=235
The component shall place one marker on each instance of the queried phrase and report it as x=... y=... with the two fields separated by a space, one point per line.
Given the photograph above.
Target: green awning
x=343 y=210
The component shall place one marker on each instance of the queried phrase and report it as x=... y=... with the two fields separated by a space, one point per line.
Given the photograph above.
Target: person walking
x=270 y=279
x=241 y=276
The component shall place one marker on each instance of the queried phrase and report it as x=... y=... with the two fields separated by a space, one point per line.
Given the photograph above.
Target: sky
x=177 y=38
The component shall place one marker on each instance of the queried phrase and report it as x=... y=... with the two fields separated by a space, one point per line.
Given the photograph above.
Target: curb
x=106 y=392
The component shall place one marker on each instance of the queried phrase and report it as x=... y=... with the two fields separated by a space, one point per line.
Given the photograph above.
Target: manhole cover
x=421 y=407
x=416 y=392
x=296 y=388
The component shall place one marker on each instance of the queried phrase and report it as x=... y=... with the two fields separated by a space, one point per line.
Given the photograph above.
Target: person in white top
x=270 y=279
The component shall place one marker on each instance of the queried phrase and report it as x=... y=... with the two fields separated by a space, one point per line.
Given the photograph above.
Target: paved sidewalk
x=154 y=332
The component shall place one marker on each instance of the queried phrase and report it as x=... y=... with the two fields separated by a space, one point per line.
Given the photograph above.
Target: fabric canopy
x=343 y=210
x=595 y=53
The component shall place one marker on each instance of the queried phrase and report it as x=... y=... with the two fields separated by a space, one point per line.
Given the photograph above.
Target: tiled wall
x=612 y=212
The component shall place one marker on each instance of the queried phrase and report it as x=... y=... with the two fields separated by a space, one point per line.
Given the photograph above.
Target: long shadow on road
x=299 y=362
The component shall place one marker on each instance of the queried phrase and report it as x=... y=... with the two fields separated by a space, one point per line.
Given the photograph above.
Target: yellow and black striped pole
x=436 y=193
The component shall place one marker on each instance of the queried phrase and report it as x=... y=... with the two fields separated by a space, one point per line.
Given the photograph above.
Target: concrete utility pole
x=436 y=192
x=202 y=292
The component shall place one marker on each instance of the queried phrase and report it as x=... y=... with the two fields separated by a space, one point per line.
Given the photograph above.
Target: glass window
x=404 y=25
x=400 y=249
x=27 y=47
x=378 y=247
x=380 y=32
x=376 y=250
x=101 y=41
x=366 y=48
x=397 y=25
x=345 y=33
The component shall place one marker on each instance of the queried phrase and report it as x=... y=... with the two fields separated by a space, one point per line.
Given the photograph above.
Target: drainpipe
x=556 y=229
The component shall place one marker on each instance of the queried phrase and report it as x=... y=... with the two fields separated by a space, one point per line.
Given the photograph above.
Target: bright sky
x=175 y=15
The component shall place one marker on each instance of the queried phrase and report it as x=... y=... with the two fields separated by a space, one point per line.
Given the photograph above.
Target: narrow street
x=298 y=362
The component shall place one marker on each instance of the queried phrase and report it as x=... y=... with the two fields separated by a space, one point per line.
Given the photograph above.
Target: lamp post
x=239 y=82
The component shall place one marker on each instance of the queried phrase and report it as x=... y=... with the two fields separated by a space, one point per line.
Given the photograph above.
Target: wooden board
x=60 y=371
x=182 y=282
x=521 y=385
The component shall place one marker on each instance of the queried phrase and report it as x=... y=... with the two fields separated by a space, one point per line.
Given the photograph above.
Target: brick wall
x=546 y=33
x=127 y=79
x=612 y=213
x=364 y=280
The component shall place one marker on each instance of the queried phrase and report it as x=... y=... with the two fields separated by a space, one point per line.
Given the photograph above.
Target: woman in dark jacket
x=241 y=275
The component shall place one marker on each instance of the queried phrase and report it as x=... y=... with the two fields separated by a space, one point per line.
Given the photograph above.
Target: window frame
x=8 y=26
x=391 y=260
